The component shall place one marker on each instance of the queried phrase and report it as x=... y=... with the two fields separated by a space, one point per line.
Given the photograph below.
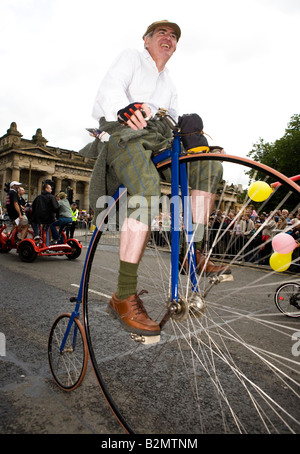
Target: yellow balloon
x=280 y=262
x=259 y=191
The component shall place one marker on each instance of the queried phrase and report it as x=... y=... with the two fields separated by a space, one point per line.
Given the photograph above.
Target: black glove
x=125 y=114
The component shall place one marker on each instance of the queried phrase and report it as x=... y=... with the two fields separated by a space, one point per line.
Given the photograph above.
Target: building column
x=74 y=187
x=15 y=175
x=58 y=185
x=2 y=192
x=40 y=182
x=86 y=201
x=4 y=180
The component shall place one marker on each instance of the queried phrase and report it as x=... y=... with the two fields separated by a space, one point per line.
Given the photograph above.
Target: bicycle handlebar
x=103 y=136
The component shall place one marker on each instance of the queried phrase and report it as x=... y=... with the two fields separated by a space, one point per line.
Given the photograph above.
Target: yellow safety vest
x=74 y=215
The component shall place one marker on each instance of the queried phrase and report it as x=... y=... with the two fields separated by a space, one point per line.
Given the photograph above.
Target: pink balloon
x=283 y=243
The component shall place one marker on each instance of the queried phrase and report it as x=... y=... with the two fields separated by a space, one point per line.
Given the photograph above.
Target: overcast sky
x=237 y=64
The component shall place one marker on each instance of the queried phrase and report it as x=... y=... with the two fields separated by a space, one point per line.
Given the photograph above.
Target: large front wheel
x=228 y=368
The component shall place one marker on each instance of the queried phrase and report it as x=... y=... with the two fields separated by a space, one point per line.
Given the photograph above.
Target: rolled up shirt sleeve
x=133 y=77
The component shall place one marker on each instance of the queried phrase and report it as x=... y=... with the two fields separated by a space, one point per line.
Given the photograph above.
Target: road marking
x=94 y=291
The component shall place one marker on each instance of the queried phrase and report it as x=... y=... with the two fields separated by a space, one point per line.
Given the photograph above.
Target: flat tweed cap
x=162 y=23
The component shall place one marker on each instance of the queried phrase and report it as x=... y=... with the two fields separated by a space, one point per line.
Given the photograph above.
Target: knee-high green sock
x=127 y=281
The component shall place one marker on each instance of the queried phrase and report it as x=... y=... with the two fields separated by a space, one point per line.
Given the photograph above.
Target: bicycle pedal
x=221 y=278
x=145 y=340
x=226 y=278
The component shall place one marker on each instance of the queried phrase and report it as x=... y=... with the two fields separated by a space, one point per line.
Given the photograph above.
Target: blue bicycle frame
x=179 y=180
x=74 y=314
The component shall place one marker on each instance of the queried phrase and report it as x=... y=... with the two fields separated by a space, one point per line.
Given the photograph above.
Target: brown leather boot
x=210 y=269
x=133 y=316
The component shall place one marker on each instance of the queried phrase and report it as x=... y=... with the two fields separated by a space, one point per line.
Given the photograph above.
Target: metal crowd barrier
x=223 y=245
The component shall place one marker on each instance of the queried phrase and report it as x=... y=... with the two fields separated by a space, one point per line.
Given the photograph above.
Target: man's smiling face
x=162 y=44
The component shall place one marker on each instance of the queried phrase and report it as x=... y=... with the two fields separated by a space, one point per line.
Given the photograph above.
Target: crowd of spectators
x=54 y=213
x=246 y=236
x=85 y=219
x=249 y=235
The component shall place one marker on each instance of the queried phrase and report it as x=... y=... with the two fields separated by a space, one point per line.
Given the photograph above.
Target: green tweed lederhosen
x=132 y=164
x=126 y=159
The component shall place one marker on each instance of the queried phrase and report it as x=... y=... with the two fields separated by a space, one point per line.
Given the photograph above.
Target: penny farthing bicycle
x=223 y=361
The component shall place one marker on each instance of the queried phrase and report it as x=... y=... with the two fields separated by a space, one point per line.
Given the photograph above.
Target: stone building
x=33 y=161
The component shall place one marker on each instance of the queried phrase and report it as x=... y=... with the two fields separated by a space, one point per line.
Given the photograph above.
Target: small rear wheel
x=27 y=252
x=68 y=363
x=287 y=299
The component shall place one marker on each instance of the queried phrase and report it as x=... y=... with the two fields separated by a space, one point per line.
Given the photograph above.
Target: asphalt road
x=31 y=297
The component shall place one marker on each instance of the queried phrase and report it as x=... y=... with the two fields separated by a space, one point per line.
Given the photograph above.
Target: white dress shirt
x=134 y=77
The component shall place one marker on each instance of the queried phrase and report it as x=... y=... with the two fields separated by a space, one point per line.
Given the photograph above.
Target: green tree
x=282 y=155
